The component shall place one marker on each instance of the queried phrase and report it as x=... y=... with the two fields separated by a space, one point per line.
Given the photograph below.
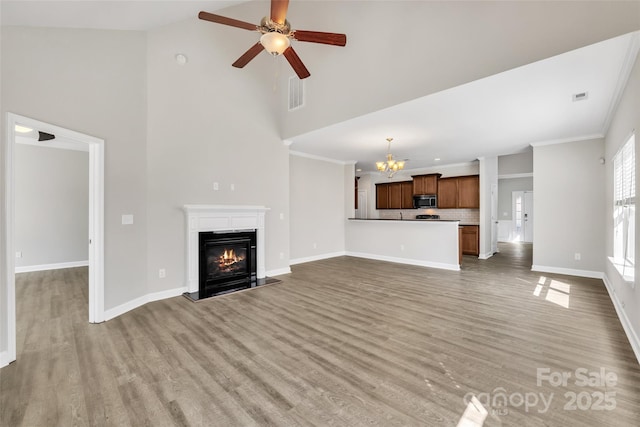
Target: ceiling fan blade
x=296 y=63
x=279 y=10
x=227 y=21
x=334 y=39
x=248 y=55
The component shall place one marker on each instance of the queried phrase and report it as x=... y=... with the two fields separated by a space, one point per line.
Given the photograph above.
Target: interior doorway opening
x=522 y=205
x=68 y=139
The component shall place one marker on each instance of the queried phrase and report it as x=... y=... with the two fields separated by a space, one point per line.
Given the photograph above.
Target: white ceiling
x=107 y=14
x=497 y=115
x=501 y=114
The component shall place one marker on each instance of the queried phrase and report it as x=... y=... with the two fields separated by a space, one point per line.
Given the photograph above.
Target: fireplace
x=227 y=261
x=214 y=228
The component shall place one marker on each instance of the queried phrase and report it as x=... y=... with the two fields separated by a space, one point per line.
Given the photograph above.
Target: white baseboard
x=568 y=271
x=278 y=272
x=626 y=323
x=4 y=359
x=57 y=266
x=485 y=255
x=453 y=267
x=316 y=257
x=140 y=301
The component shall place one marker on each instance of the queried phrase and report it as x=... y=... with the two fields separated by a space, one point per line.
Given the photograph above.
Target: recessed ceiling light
x=437 y=159
x=23 y=129
x=358 y=170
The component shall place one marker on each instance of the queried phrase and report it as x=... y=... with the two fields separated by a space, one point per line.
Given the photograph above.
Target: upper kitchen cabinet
x=469 y=192
x=459 y=192
x=425 y=184
x=394 y=195
x=448 y=193
x=406 y=188
x=382 y=196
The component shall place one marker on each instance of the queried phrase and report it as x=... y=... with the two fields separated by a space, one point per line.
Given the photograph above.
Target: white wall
x=94 y=82
x=51 y=206
x=448 y=37
x=318 y=208
x=209 y=122
x=568 y=190
x=626 y=297
x=515 y=164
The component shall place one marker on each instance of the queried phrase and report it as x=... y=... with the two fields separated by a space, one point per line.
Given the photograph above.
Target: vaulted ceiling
x=448 y=80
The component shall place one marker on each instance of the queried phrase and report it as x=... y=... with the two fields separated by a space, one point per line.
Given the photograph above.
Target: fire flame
x=229 y=257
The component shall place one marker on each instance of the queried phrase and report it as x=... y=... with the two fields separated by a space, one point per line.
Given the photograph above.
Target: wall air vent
x=580 y=96
x=296 y=93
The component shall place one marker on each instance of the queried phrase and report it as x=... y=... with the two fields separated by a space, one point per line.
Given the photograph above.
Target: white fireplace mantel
x=203 y=218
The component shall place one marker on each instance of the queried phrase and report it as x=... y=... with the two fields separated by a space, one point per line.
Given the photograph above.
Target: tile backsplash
x=465 y=216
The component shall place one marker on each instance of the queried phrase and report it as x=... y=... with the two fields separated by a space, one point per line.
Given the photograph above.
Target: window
x=624 y=209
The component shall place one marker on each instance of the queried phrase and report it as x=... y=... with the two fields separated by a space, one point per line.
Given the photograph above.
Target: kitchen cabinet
x=407 y=195
x=382 y=196
x=394 y=195
x=469 y=192
x=356 y=192
x=448 y=193
x=425 y=184
x=470 y=239
x=460 y=192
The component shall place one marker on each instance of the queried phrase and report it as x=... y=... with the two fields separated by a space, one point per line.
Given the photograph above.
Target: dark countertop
x=411 y=220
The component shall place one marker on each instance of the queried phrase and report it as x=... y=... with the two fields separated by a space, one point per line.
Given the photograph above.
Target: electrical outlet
x=577 y=256
x=216 y=186
x=162 y=273
x=281 y=215
x=232 y=187
x=315 y=246
x=19 y=254
x=402 y=247
x=281 y=255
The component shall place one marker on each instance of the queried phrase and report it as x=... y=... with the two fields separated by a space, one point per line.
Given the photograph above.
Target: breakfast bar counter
x=428 y=243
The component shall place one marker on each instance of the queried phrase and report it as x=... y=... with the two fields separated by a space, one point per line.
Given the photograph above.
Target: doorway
x=522 y=205
x=64 y=138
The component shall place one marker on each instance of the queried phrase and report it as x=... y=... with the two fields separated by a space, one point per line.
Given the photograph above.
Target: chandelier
x=390 y=166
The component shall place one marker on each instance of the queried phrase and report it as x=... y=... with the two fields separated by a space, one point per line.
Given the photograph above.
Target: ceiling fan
x=276 y=36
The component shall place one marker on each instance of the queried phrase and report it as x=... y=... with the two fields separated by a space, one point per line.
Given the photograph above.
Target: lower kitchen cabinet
x=470 y=239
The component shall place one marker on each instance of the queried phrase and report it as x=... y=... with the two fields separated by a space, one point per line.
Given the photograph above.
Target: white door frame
x=494 y=218
x=528 y=216
x=95 y=147
x=525 y=224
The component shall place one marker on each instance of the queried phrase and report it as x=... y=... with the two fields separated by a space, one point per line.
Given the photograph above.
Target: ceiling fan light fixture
x=274 y=42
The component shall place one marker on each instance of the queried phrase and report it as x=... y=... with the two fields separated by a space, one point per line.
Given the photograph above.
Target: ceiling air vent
x=296 y=93
x=580 y=96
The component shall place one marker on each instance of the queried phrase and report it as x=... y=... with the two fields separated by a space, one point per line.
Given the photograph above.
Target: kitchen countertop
x=413 y=220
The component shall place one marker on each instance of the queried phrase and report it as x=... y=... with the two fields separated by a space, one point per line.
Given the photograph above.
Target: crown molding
x=565 y=140
x=623 y=79
x=324 y=159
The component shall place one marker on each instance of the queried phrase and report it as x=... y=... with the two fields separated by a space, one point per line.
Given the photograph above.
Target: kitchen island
x=428 y=243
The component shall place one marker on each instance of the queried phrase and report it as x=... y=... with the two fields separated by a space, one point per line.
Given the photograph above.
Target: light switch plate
x=127 y=219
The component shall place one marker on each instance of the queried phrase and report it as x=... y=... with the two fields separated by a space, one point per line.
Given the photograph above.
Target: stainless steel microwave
x=425 y=201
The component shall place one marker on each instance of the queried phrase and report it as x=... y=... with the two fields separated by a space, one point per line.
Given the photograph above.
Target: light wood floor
x=340 y=342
